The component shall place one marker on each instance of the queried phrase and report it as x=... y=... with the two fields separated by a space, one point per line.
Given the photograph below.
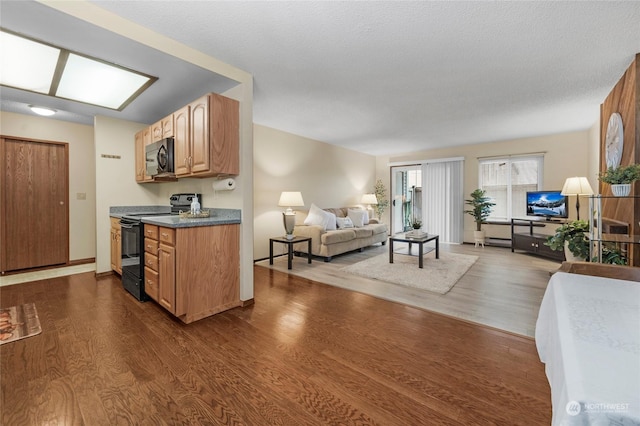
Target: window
x=507 y=180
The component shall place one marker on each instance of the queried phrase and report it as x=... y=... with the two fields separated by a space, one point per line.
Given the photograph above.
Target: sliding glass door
x=430 y=192
x=406 y=197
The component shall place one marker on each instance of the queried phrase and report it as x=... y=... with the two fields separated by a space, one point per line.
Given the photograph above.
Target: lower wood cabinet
x=198 y=269
x=116 y=246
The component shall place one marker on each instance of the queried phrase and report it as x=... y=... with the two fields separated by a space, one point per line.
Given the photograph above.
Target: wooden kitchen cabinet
x=116 y=246
x=198 y=273
x=181 y=140
x=210 y=146
x=162 y=129
x=142 y=139
x=151 y=262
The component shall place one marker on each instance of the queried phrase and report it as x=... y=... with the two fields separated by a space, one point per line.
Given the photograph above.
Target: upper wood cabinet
x=142 y=139
x=206 y=138
x=213 y=142
x=181 y=142
x=162 y=129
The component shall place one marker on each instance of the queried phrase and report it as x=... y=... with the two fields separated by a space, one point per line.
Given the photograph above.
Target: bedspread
x=588 y=336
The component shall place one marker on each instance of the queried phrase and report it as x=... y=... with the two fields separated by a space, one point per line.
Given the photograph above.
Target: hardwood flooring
x=502 y=289
x=304 y=354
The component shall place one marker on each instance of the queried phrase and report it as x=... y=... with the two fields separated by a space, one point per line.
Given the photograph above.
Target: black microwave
x=159 y=157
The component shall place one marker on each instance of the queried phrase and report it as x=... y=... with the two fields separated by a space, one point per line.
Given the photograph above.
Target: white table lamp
x=288 y=200
x=369 y=200
x=577 y=186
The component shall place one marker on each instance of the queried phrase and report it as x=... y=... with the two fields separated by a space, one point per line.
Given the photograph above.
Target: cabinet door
x=119 y=249
x=200 y=155
x=140 y=163
x=181 y=143
x=167 y=127
x=224 y=137
x=524 y=242
x=156 y=131
x=113 y=249
x=167 y=277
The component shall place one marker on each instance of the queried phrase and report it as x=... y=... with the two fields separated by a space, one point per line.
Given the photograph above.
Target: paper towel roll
x=224 y=184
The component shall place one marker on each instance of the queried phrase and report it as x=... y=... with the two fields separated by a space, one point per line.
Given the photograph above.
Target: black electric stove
x=132 y=231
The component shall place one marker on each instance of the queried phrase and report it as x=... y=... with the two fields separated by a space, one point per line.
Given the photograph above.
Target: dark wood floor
x=304 y=354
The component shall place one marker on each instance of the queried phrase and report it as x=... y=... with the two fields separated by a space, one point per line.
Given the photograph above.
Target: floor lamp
x=577 y=186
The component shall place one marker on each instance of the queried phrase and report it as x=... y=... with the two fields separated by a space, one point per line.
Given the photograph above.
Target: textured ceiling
x=393 y=77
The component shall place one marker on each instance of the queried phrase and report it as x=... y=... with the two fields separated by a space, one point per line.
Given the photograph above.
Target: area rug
x=437 y=275
x=18 y=322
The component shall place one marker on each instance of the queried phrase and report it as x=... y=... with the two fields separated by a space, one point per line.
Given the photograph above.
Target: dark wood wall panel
x=624 y=99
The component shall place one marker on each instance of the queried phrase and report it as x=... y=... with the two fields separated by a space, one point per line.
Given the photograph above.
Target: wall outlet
x=81 y=195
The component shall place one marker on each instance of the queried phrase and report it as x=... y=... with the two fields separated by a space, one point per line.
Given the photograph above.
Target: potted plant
x=572 y=238
x=620 y=178
x=417 y=224
x=481 y=207
x=381 y=195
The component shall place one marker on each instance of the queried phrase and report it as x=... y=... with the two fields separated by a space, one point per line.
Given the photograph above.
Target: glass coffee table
x=420 y=240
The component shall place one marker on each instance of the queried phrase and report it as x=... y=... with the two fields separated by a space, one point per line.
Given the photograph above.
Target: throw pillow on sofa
x=344 y=222
x=358 y=217
x=317 y=216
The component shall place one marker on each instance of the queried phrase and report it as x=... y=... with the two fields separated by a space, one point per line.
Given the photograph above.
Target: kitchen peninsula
x=192 y=265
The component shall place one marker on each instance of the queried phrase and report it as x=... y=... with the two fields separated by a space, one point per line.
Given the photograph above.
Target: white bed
x=588 y=335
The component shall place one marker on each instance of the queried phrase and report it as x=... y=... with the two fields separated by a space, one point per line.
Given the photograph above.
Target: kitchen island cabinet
x=195 y=272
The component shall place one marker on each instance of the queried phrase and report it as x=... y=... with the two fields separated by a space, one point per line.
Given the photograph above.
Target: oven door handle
x=127 y=225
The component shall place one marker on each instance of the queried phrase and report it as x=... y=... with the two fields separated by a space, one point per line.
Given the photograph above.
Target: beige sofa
x=331 y=243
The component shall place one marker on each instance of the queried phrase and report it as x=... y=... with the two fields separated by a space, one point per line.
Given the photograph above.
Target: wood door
x=34 y=212
x=200 y=156
x=181 y=149
x=167 y=277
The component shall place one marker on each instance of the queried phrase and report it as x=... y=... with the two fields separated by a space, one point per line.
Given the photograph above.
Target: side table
x=289 y=243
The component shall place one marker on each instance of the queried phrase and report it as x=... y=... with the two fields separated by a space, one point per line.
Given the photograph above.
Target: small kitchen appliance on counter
x=133 y=242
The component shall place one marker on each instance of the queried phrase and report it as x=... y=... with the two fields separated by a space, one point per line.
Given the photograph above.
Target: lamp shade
x=291 y=199
x=369 y=199
x=577 y=186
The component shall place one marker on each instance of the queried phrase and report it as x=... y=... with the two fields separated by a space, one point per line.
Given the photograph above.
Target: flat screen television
x=548 y=204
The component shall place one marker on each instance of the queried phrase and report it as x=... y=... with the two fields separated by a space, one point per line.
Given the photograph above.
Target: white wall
x=327 y=175
x=566 y=155
x=242 y=199
x=82 y=237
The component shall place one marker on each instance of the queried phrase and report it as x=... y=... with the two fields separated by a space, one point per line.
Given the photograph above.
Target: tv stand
x=532 y=242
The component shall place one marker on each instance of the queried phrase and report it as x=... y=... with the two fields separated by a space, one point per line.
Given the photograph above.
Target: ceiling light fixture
x=39 y=67
x=42 y=110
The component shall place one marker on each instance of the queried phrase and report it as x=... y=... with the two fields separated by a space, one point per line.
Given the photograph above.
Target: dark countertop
x=218 y=216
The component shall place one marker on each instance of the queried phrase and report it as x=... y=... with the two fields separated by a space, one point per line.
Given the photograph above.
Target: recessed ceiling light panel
x=97 y=83
x=39 y=67
x=26 y=64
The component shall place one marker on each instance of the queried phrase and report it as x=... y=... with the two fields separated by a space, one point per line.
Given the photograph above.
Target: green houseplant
x=620 y=178
x=571 y=237
x=481 y=207
x=620 y=174
x=381 y=195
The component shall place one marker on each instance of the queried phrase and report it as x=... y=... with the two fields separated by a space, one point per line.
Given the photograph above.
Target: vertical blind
x=443 y=203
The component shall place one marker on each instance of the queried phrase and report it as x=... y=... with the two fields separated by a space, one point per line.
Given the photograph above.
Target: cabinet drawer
x=167 y=235
x=151 y=261
x=151 y=231
x=151 y=283
x=151 y=246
